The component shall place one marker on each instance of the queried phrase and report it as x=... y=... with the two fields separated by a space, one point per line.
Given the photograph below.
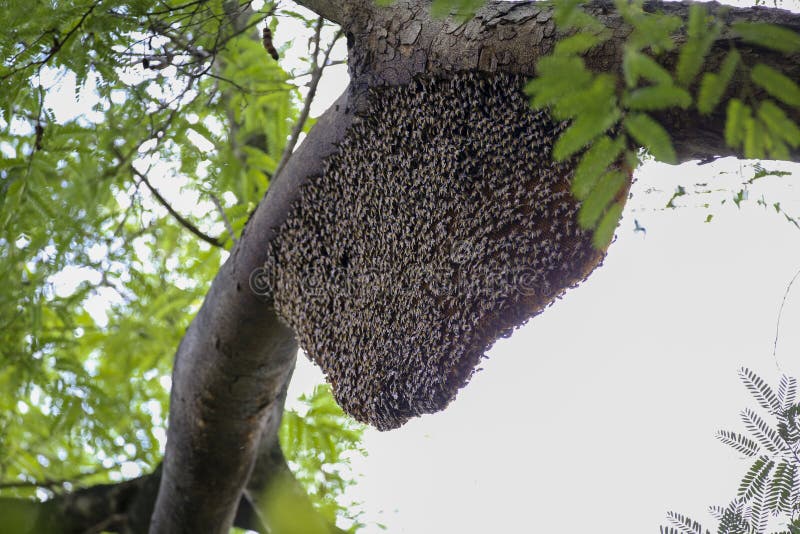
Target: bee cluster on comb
x=440 y=224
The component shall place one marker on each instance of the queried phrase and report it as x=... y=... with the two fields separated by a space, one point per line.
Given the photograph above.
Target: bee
x=266 y=38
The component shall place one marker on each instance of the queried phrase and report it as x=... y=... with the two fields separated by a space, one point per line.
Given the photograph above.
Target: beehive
x=439 y=225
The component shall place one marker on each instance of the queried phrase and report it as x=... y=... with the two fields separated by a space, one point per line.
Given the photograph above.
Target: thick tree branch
x=232 y=365
x=53 y=484
x=116 y=507
x=392 y=45
x=125 y=507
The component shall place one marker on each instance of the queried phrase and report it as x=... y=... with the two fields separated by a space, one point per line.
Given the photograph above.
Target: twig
x=316 y=75
x=56 y=46
x=221 y=210
x=183 y=222
x=778 y=322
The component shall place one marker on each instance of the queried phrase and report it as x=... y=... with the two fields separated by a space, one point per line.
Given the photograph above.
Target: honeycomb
x=439 y=225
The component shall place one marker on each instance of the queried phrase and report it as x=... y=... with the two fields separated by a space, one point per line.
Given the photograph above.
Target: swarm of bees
x=439 y=225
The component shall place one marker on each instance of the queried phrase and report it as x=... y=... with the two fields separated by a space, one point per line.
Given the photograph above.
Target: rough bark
x=235 y=360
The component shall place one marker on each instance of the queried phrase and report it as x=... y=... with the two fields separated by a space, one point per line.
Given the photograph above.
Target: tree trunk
x=236 y=359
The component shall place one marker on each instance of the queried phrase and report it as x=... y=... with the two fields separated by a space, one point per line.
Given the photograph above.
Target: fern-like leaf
x=778 y=498
x=650 y=134
x=787 y=389
x=753 y=480
x=759 y=514
x=776 y=84
x=760 y=390
x=684 y=524
x=733 y=521
x=769 y=36
x=594 y=163
x=794 y=496
x=718 y=512
x=766 y=436
x=700 y=38
x=739 y=442
x=713 y=85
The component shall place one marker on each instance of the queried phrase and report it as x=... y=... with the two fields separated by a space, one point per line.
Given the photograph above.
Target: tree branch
x=316 y=76
x=221 y=210
x=337 y=11
x=392 y=45
x=52 y=483
x=232 y=364
x=125 y=507
x=177 y=216
x=57 y=45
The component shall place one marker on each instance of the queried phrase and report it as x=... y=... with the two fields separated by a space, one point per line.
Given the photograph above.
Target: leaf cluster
x=611 y=116
x=770 y=489
x=320 y=440
x=136 y=138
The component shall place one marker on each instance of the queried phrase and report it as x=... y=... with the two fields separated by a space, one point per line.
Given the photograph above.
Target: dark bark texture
x=236 y=359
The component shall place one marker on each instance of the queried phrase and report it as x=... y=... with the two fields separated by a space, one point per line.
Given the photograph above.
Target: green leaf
x=769 y=36
x=780 y=126
x=558 y=76
x=694 y=51
x=653 y=30
x=754 y=146
x=760 y=390
x=738 y=113
x=713 y=85
x=569 y=14
x=776 y=83
x=595 y=99
x=582 y=131
x=578 y=44
x=601 y=196
x=753 y=481
x=658 y=97
x=594 y=162
x=740 y=443
x=764 y=434
x=650 y=134
x=604 y=232
x=636 y=65
x=787 y=388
